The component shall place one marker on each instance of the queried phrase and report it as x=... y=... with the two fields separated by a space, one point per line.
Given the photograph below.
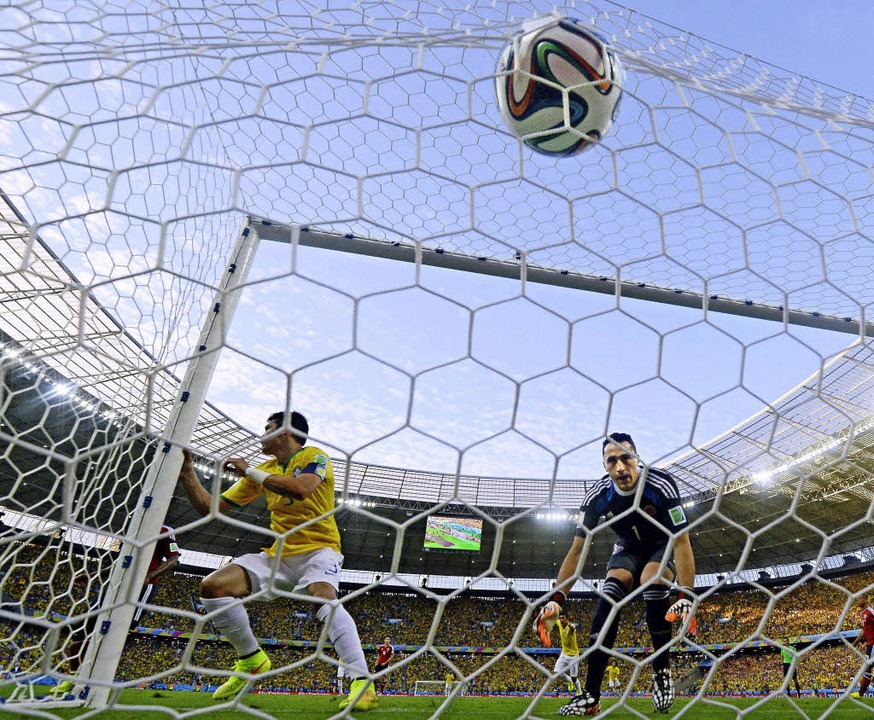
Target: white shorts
x=293 y=573
x=568 y=665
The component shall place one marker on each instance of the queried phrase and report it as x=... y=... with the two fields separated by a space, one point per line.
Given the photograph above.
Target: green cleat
x=63 y=688
x=254 y=665
x=362 y=696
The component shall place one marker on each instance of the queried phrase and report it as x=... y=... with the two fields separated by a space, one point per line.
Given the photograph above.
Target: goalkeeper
x=642 y=505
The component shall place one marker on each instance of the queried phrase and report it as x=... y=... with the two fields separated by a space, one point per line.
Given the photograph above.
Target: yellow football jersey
x=287 y=513
x=568 y=639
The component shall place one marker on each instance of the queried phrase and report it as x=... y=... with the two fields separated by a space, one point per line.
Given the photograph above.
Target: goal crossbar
x=517 y=268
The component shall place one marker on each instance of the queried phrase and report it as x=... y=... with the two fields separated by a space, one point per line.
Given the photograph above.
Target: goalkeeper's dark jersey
x=660 y=500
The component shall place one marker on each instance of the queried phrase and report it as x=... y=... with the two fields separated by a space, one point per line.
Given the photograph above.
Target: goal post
x=434 y=687
x=129 y=574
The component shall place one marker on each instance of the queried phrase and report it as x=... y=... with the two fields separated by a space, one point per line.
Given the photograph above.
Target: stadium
x=189 y=245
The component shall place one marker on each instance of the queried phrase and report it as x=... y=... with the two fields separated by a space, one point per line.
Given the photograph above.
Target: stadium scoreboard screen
x=453 y=533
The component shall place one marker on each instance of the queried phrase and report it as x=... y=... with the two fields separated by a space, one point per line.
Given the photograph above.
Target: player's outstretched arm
x=197 y=494
x=548 y=615
x=298 y=487
x=570 y=566
x=162 y=569
x=684 y=559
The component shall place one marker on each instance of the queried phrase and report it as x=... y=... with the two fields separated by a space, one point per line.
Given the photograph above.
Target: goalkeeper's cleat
x=253 y=665
x=662 y=690
x=855 y=695
x=584 y=704
x=545 y=621
x=63 y=688
x=362 y=695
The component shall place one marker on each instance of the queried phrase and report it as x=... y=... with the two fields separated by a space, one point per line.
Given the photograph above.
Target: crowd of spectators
x=472 y=636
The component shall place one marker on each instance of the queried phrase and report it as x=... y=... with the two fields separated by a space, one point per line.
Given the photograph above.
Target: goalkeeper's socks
x=614 y=590
x=597 y=665
x=658 y=601
x=343 y=634
x=232 y=621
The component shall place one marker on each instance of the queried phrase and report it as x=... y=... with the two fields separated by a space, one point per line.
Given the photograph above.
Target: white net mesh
x=461 y=319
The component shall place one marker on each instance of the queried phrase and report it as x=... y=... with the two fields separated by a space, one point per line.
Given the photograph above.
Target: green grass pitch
x=137 y=703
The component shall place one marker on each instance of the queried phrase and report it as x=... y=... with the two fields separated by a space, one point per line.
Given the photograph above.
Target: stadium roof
x=791 y=484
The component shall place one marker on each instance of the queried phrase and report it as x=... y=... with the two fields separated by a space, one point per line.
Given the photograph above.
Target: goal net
x=212 y=213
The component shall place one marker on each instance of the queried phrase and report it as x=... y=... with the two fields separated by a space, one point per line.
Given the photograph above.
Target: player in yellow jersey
x=568 y=663
x=613 y=677
x=298 y=485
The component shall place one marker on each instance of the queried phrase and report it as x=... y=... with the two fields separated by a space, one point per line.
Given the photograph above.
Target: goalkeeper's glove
x=548 y=616
x=682 y=610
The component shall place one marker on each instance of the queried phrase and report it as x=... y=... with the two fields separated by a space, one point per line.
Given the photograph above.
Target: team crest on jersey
x=677 y=515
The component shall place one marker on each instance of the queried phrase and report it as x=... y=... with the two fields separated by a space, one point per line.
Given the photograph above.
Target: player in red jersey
x=165 y=558
x=384 y=655
x=866 y=640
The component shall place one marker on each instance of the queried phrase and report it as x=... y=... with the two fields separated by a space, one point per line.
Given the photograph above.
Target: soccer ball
x=558 y=85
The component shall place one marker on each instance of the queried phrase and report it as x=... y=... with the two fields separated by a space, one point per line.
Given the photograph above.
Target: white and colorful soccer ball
x=558 y=85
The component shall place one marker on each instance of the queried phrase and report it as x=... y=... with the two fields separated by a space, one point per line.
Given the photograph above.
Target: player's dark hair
x=616 y=439
x=300 y=426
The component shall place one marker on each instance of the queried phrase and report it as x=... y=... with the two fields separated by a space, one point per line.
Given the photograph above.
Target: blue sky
x=536 y=416
x=827 y=41
x=444 y=370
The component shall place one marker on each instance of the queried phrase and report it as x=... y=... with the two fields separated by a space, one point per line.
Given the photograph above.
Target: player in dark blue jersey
x=642 y=506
